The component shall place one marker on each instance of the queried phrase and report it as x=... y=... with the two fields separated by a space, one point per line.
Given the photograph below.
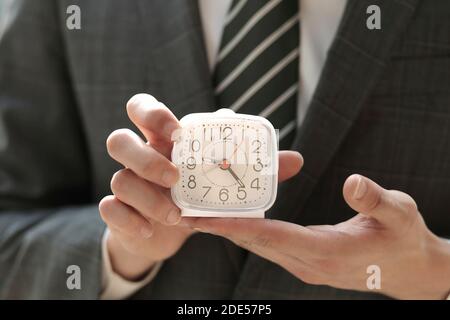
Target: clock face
x=226 y=164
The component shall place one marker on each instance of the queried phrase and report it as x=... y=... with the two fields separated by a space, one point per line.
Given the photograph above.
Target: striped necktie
x=257 y=66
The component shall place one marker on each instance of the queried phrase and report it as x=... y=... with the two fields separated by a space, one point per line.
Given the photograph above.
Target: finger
x=297 y=249
x=296 y=266
x=154 y=120
x=127 y=148
x=282 y=236
x=386 y=206
x=144 y=197
x=290 y=163
x=119 y=216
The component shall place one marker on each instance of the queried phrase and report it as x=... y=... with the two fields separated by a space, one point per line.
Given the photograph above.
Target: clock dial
x=220 y=165
x=225 y=163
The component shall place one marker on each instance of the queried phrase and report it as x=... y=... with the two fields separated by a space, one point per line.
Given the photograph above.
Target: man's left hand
x=388 y=232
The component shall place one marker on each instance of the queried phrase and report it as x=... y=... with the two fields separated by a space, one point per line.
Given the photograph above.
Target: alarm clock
x=228 y=165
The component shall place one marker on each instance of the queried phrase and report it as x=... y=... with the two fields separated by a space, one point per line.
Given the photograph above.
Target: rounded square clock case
x=228 y=164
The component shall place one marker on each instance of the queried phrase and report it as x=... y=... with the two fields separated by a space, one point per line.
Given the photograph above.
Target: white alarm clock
x=228 y=164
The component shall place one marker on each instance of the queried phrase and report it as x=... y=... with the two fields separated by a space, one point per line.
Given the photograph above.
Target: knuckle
x=263 y=242
x=373 y=200
x=120 y=180
x=152 y=205
x=150 y=167
x=404 y=202
x=159 y=209
x=157 y=113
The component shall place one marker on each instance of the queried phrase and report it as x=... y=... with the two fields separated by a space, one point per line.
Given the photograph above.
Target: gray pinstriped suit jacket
x=382 y=109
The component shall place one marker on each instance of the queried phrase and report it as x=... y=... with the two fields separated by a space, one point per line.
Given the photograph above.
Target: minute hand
x=241 y=184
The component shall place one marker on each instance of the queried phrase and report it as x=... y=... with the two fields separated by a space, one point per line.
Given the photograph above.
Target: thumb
x=368 y=198
x=290 y=163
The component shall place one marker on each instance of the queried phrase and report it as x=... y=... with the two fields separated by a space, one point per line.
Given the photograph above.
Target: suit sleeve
x=46 y=221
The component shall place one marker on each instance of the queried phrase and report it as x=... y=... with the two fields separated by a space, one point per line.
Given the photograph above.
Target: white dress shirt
x=319 y=20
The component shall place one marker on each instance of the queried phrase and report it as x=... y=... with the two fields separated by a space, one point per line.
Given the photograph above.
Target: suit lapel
x=178 y=72
x=354 y=64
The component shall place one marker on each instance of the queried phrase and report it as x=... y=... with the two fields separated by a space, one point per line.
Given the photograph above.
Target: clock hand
x=236 y=149
x=239 y=181
x=224 y=149
x=211 y=161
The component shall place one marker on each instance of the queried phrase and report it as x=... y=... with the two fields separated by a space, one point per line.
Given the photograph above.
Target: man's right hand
x=146 y=226
x=143 y=221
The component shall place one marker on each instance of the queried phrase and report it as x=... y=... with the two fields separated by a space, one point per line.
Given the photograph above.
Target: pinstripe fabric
x=257 y=65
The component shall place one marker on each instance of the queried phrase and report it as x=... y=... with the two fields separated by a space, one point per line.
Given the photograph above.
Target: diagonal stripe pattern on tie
x=257 y=65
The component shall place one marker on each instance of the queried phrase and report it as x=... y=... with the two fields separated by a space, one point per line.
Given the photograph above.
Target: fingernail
x=173 y=217
x=169 y=178
x=146 y=232
x=360 y=190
